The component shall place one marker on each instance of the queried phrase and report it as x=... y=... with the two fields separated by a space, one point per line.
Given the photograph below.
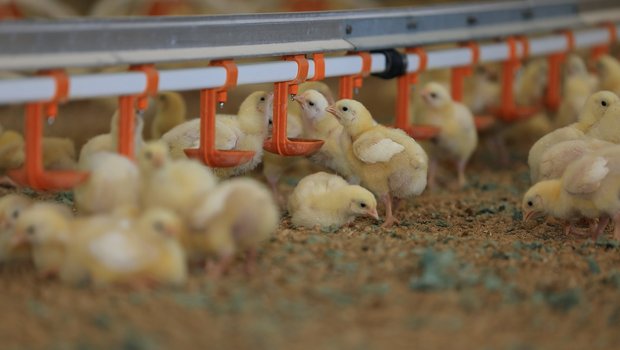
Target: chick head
x=597 y=105
x=538 y=198
x=606 y=65
x=160 y=222
x=153 y=155
x=319 y=86
x=352 y=115
x=43 y=224
x=313 y=104
x=436 y=95
x=362 y=202
x=11 y=207
x=575 y=66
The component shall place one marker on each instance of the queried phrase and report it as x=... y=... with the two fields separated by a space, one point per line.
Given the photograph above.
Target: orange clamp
x=349 y=83
x=404 y=82
x=206 y=151
x=319 y=67
x=554 y=85
x=279 y=143
x=603 y=49
x=33 y=174
x=152 y=83
x=10 y=10
x=459 y=73
x=164 y=7
x=60 y=94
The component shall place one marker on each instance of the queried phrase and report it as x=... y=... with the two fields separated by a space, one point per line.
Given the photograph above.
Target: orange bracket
x=350 y=83
x=508 y=110
x=319 y=67
x=601 y=50
x=418 y=132
x=152 y=84
x=278 y=142
x=10 y=10
x=209 y=98
x=164 y=7
x=482 y=122
x=33 y=174
x=554 y=83
x=61 y=94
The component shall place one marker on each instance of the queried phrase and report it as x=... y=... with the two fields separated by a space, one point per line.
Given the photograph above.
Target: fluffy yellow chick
x=245 y=131
x=596 y=107
x=47 y=228
x=178 y=185
x=578 y=86
x=328 y=201
x=588 y=188
x=11 y=150
x=608 y=70
x=318 y=124
x=114 y=182
x=482 y=90
x=11 y=207
x=171 y=111
x=235 y=218
x=531 y=82
x=124 y=250
x=109 y=142
x=59 y=153
x=457 y=138
x=389 y=162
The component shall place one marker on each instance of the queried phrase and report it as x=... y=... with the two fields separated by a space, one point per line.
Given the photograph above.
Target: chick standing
x=595 y=108
x=171 y=111
x=245 y=131
x=113 y=182
x=457 y=138
x=178 y=185
x=318 y=124
x=11 y=207
x=588 y=188
x=328 y=201
x=235 y=218
x=389 y=162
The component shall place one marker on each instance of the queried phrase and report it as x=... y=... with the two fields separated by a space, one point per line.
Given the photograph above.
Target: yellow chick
x=482 y=90
x=457 y=139
x=171 y=111
x=559 y=156
x=389 y=162
x=109 y=142
x=11 y=207
x=328 y=201
x=235 y=218
x=588 y=188
x=47 y=228
x=608 y=71
x=318 y=124
x=531 y=82
x=125 y=250
x=595 y=108
x=578 y=86
x=114 y=181
x=11 y=150
x=179 y=185
x=59 y=153
x=245 y=131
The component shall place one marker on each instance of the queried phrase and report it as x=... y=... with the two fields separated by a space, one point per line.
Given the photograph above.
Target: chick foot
x=390 y=220
x=215 y=270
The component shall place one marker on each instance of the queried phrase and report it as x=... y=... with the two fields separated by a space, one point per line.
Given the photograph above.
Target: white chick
x=114 y=182
x=595 y=108
x=11 y=207
x=109 y=142
x=237 y=216
x=245 y=131
x=389 y=162
x=328 y=201
x=457 y=138
x=588 y=188
x=179 y=185
x=318 y=124
x=47 y=228
x=171 y=111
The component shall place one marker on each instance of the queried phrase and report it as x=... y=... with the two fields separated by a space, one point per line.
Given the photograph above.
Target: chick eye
x=311 y=103
x=262 y=99
x=158 y=226
x=604 y=103
x=15 y=214
x=363 y=205
x=344 y=109
x=529 y=203
x=30 y=230
x=433 y=95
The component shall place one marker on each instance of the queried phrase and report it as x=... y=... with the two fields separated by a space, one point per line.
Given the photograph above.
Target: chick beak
x=373 y=213
x=529 y=214
x=333 y=110
x=158 y=162
x=171 y=232
x=300 y=99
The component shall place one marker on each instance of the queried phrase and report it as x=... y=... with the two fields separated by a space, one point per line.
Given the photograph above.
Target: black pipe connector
x=395 y=64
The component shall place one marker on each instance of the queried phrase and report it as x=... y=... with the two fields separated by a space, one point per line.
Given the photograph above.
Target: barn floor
x=461 y=271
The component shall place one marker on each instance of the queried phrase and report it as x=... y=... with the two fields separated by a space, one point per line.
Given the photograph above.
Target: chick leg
x=390 y=220
x=602 y=224
x=217 y=269
x=460 y=167
x=250 y=261
x=432 y=174
x=273 y=183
